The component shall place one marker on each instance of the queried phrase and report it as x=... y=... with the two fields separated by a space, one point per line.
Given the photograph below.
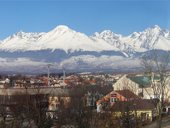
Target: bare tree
x=156 y=63
x=27 y=110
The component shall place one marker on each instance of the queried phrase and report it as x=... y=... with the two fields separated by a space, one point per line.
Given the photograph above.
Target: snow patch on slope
x=149 y=39
x=61 y=37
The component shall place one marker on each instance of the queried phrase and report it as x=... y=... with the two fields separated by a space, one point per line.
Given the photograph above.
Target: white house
x=142 y=86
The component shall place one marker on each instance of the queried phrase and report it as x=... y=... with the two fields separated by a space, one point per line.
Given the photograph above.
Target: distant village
x=81 y=100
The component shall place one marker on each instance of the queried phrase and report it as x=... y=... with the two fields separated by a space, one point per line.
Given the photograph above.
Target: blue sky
x=86 y=16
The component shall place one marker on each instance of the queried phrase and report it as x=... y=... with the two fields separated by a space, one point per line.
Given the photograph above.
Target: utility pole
x=48 y=74
x=64 y=75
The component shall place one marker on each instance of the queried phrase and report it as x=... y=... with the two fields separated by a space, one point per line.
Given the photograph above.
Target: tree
x=156 y=64
x=26 y=110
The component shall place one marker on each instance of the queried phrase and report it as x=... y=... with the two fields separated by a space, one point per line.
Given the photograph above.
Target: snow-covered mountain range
x=64 y=46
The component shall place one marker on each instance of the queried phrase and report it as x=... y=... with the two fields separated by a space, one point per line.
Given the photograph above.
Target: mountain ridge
x=75 y=51
x=64 y=38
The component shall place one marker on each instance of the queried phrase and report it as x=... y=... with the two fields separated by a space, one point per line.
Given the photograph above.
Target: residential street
x=165 y=124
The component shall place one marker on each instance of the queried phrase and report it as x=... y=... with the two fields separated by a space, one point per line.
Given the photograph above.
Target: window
x=113 y=99
x=164 y=110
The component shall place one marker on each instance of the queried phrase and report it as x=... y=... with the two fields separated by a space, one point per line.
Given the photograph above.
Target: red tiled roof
x=139 y=104
x=127 y=94
x=167 y=103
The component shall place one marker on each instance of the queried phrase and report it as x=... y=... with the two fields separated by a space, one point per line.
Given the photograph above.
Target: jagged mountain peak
x=151 y=38
x=61 y=28
x=65 y=27
x=155 y=30
x=60 y=31
x=61 y=37
x=65 y=38
x=27 y=36
x=76 y=50
x=21 y=33
x=106 y=34
x=34 y=36
x=156 y=27
x=134 y=34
